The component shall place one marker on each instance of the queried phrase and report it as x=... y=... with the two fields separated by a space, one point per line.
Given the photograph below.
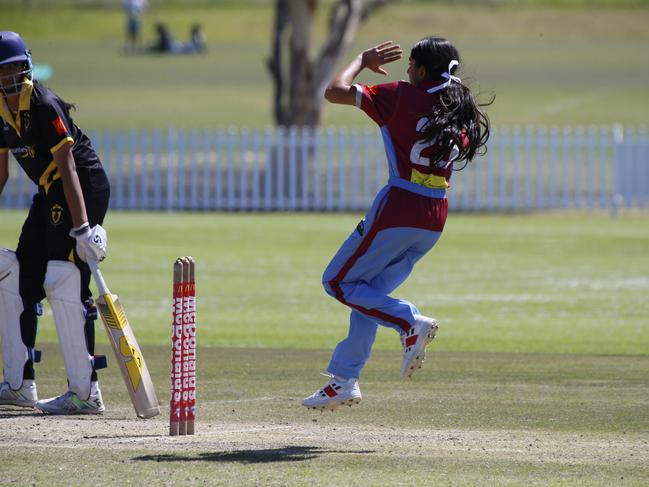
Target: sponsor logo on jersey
x=56 y=213
x=59 y=126
x=360 y=228
x=22 y=152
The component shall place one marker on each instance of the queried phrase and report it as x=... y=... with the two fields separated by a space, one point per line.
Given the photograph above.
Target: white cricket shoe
x=336 y=393
x=69 y=403
x=26 y=396
x=414 y=344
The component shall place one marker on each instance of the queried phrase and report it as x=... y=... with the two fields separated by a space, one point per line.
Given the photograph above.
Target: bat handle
x=99 y=279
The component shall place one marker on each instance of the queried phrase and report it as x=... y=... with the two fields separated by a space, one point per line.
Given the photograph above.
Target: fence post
x=566 y=137
x=643 y=162
x=181 y=169
x=367 y=176
x=306 y=147
x=542 y=166
x=605 y=180
x=292 y=167
x=230 y=167
x=317 y=167
x=505 y=163
x=157 y=169
x=193 y=175
x=268 y=186
x=206 y=149
x=329 y=205
x=132 y=160
x=490 y=170
x=255 y=171
x=244 y=201
x=144 y=169
x=617 y=199
x=120 y=148
x=590 y=160
x=171 y=147
x=343 y=142
x=353 y=159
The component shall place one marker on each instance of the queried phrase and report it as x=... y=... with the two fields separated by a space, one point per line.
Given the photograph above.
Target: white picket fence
x=341 y=169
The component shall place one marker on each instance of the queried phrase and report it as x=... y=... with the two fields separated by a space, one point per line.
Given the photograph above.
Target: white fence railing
x=340 y=169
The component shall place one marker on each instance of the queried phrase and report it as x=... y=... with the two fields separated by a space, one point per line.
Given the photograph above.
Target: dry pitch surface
x=25 y=431
x=467 y=419
x=252 y=447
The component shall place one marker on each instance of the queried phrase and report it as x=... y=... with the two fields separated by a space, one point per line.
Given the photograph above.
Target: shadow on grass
x=286 y=454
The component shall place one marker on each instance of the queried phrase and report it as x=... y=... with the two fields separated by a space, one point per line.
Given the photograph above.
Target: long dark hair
x=458 y=116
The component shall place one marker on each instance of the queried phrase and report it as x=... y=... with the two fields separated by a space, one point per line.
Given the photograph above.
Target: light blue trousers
x=362 y=274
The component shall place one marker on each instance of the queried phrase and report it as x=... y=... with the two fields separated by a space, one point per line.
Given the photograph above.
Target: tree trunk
x=299 y=87
x=301 y=108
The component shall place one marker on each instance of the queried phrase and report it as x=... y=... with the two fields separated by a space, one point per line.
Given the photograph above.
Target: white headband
x=448 y=76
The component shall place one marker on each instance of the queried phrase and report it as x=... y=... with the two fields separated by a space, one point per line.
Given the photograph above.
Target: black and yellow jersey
x=41 y=127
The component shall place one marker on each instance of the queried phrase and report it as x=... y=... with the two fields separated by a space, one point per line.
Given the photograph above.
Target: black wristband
x=80 y=230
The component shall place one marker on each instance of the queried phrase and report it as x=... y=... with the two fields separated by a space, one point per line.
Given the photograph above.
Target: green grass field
x=538 y=375
x=546 y=65
x=540 y=372
x=527 y=283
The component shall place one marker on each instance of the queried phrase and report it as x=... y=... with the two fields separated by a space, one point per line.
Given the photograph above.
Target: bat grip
x=99 y=279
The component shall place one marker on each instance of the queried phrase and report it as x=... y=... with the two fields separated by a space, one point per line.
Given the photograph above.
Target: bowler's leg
x=351 y=354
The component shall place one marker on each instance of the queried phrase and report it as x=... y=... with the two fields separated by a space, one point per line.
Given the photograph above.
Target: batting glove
x=91 y=242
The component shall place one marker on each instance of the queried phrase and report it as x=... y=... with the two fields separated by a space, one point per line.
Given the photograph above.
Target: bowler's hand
x=384 y=53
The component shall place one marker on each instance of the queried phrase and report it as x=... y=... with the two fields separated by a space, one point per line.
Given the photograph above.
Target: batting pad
x=14 y=351
x=63 y=288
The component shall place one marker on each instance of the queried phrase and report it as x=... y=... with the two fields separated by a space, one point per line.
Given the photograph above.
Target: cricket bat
x=127 y=351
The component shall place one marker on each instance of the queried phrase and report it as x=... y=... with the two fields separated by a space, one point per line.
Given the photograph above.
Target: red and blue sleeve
x=379 y=102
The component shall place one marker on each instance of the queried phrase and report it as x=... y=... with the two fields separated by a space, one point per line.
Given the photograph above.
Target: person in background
x=196 y=43
x=165 y=43
x=134 y=10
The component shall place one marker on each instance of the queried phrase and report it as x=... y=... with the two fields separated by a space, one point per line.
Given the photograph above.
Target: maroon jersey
x=401 y=109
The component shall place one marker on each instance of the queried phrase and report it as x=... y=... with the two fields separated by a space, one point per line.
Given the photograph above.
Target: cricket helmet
x=14 y=50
